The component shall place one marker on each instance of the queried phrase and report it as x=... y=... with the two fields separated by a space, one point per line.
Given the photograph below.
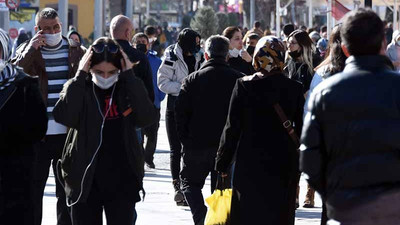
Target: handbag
x=219 y=204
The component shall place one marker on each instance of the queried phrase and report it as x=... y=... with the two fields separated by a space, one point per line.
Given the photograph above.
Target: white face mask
x=2 y=64
x=53 y=39
x=104 y=83
x=234 y=52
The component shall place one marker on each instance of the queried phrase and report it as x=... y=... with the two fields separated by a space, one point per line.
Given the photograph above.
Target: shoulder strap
x=287 y=124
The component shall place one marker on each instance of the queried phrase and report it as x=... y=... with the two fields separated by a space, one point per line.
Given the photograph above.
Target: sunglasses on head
x=99 y=48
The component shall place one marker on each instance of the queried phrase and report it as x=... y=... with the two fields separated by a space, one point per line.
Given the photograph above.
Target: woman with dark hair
x=23 y=122
x=103 y=164
x=301 y=60
x=266 y=169
x=239 y=59
x=333 y=64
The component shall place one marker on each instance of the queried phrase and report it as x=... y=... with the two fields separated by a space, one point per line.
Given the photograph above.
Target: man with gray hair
x=201 y=111
x=49 y=56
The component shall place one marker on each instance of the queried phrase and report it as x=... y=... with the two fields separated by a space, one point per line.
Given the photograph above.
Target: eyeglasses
x=99 y=48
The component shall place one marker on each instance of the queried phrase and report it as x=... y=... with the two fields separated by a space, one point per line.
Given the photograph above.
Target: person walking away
x=23 y=122
x=200 y=117
x=49 y=56
x=179 y=61
x=266 y=169
x=141 y=42
x=239 y=59
x=355 y=178
x=103 y=165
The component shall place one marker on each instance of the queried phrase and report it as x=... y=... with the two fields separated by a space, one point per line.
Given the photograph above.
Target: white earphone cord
x=97 y=150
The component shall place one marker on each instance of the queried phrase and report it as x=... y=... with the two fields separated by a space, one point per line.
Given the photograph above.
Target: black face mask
x=141 y=47
x=250 y=50
x=295 y=54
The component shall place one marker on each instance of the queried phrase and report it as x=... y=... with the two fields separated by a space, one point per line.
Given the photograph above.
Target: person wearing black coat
x=121 y=29
x=23 y=122
x=201 y=110
x=266 y=168
x=103 y=162
x=239 y=59
x=350 y=143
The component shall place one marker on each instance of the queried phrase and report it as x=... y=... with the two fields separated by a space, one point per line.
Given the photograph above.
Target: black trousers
x=173 y=138
x=46 y=151
x=118 y=211
x=15 y=189
x=196 y=167
x=150 y=145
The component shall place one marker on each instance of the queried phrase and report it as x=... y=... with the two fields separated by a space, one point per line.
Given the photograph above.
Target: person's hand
x=126 y=63
x=246 y=56
x=38 y=40
x=223 y=175
x=84 y=64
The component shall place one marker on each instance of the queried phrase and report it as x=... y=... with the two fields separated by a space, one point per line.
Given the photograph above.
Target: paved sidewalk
x=159 y=207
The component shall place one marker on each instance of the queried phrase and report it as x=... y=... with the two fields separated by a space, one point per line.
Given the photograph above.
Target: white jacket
x=173 y=70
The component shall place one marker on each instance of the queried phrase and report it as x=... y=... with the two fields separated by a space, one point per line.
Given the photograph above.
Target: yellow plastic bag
x=219 y=207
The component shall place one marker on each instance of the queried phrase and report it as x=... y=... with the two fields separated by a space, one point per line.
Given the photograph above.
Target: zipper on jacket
x=12 y=93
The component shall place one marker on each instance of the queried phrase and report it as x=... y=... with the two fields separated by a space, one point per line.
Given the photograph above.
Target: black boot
x=179 y=198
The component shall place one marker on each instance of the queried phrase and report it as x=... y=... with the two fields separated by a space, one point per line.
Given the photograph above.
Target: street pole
x=147 y=9
x=129 y=9
x=5 y=20
x=310 y=13
x=329 y=18
x=98 y=19
x=63 y=15
x=395 y=9
x=252 y=12
x=278 y=18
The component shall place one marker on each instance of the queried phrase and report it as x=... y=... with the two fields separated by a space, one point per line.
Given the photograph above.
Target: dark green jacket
x=78 y=109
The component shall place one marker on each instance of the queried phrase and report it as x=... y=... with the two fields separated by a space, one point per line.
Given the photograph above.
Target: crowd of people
x=245 y=106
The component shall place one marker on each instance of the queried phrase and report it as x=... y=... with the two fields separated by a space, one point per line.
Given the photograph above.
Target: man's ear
x=345 y=50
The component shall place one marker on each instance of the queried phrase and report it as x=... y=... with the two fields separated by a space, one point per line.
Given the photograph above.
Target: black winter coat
x=350 y=144
x=79 y=110
x=241 y=65
x=143 y=69
x=266 y=161
x=23 y=115
x=203 y=102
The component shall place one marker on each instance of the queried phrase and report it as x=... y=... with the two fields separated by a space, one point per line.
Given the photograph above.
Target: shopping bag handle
x=222 y=182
